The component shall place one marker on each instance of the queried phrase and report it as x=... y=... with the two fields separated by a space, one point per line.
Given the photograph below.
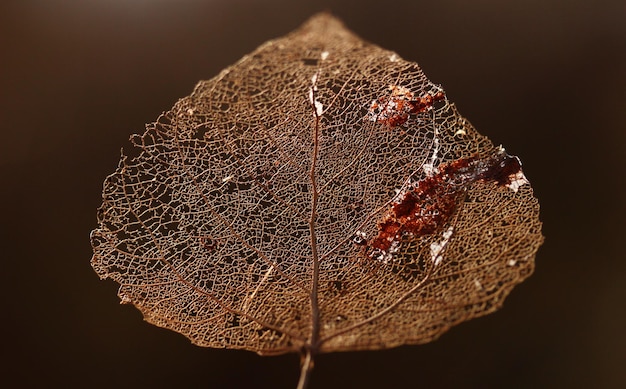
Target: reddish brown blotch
x=427 y=207
x=208 y=242
x=395 y=110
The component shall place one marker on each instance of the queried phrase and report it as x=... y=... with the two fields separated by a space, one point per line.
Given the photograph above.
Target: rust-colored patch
x=395 y=109
x=209 y=243
x=427 y=207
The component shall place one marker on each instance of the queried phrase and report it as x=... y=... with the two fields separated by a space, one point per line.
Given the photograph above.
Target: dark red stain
x=208 y=243
x=424 y=103
x=425 y=209
x=403 y=107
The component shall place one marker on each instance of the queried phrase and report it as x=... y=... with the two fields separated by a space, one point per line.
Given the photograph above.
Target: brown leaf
x=320 y=194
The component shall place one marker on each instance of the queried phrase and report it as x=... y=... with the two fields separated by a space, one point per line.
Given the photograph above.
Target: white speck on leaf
x=319 y=107
x=517 y=180
x=436 y=248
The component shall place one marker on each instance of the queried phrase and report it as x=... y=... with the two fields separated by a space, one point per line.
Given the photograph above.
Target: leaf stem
x=312 y=347
x=306 y=368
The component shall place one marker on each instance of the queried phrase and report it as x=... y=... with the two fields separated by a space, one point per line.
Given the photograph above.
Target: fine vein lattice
x=322 y=195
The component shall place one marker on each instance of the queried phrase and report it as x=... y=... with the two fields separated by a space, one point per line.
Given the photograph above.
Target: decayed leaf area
x=271 y=209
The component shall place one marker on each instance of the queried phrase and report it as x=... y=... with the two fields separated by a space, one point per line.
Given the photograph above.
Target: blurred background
x=547 y=79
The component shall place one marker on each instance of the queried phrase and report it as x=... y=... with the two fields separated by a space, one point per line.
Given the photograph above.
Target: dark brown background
x=545 y=78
